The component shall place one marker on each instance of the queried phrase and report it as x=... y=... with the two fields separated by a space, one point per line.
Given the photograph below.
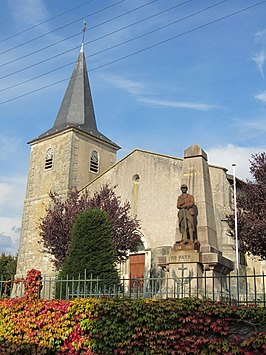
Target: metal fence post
x=237 y=284
x=255 y=285
x=213 y=294
x=246 y=286
x=167 y=285
x=263 y=289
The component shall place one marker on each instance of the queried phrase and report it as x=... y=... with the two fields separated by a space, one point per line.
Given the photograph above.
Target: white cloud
x=261 y=96
x=141 y=90
x=12 y=192
x=259 y=59
x=260 y=36
x=256 y=125
x=177 y=104
x=9 y=145
x=5 y=243
x=247 y=129
x=132 y=87
x=9 y=235
x=28 y=12
x=230 y=154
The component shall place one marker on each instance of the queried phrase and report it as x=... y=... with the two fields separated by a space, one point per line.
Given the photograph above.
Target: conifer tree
x=91 y=248
x=8 y=264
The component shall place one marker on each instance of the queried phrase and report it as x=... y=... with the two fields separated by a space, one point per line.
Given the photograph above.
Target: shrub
x=125 y=326
x=91 y=249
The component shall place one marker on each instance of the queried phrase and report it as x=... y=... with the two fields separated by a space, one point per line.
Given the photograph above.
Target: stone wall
x=151 y=183
x=70 y=168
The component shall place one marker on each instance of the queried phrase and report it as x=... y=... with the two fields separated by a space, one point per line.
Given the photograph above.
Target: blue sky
x=207 y=86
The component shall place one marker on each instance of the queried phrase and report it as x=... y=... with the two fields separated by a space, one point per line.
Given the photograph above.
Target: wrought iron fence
x=232 y=289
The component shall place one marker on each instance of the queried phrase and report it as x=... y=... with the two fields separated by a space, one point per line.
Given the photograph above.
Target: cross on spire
x=83 y=32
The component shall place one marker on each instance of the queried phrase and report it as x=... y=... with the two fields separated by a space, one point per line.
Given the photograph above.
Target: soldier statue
x=185 y=204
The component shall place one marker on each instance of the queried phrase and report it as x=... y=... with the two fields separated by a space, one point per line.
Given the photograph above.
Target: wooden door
x=137 y=265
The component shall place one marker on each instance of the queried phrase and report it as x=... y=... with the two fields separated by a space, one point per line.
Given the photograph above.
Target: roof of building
x=76 y=109
x=119 y=162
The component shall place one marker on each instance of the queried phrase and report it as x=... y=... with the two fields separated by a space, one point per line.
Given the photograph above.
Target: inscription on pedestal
x=180 y=258
x=183 y=256
x=188 y=246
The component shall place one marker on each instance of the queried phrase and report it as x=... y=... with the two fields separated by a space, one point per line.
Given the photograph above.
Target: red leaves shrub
x=33 y=284
x=251 y=212
x=124 y=326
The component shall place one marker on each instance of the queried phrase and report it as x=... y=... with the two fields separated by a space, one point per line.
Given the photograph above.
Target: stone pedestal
x=185 y=254
x=193 y=273
x=183 y=265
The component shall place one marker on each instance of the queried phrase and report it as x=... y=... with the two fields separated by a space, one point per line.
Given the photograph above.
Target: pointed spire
x=76 y=109
x=77 y=106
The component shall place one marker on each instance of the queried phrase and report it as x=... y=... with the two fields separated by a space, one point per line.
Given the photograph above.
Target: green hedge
x=123 y=326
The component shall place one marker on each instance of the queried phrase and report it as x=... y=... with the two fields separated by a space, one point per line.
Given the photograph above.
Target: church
x=74 y=154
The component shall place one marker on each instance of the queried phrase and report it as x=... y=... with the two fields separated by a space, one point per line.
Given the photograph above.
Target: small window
x=49 y=159
x=136 y=178
x=94 y=162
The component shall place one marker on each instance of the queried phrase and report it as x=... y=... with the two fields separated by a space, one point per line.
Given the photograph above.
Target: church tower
x=70 y=154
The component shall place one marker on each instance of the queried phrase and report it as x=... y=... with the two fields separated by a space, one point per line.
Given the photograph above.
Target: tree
x=8 y=264
x=56 y=226
x=91 y=247
x=251 y=204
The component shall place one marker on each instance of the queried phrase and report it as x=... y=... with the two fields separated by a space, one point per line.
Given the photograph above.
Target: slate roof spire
x=76 y=109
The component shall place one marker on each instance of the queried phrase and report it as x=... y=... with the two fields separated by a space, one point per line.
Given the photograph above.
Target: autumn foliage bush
x=56 y=226
x=130 y=326
x=32 y=284
x=251 y=209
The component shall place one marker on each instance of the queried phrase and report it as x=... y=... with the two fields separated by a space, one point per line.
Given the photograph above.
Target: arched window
x=94 y=162
x=49 y=159
x=136 y=178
